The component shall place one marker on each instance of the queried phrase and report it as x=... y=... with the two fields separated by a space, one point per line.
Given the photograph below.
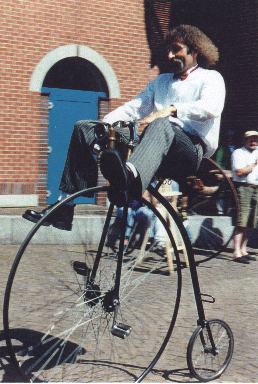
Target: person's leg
x=167 y=151
x=153 y=147
x=252 y=222
x=244 y=242
x=163 y=147
x=130 y=223
x=152 y=227
x=244 y=192
x=159 y=231
x=114 y=231
x=80 y=172
x=144 y=215
x=238 y=235
x=240 y=239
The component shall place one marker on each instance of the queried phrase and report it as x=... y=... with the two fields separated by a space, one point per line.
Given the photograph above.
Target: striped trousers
x=164 y=150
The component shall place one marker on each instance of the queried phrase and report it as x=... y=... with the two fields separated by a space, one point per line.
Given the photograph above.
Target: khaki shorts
x=248 y=204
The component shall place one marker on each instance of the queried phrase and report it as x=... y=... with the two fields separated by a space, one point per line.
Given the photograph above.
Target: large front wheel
x=59 y=324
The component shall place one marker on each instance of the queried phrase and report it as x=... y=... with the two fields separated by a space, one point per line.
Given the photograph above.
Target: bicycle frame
x=192 y=265
x=114 y=297
x=114 y=294
x=108 y=301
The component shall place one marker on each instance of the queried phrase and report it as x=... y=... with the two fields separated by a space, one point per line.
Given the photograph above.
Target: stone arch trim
x=74 y=50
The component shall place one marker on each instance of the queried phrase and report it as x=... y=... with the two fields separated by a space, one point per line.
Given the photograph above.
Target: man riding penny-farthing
x=182 y=110
x=96 y=309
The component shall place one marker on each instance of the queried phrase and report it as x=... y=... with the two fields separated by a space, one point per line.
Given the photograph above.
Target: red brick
x=30 y=30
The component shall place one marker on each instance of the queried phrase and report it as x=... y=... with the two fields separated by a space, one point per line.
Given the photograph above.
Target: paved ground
x=235 y=288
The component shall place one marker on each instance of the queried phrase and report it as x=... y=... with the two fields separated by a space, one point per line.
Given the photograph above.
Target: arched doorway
x=75 y=68
x=74 y=86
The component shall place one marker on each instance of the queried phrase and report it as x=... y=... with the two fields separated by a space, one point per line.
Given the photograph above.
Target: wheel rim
x=55 y=336
x=214 y=210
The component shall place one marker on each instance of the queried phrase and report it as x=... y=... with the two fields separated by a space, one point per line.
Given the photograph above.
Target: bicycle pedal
x=81 y=268
x=121 y=330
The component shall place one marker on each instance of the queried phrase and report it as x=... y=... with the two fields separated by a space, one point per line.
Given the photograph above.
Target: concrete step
x=14 y=229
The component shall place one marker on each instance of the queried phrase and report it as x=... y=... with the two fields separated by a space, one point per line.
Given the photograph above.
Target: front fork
x=110 y=300
x=192 y=266
x=119 y=329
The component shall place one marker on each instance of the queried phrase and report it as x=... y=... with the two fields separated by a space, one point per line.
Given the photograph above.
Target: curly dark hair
x=197 y=41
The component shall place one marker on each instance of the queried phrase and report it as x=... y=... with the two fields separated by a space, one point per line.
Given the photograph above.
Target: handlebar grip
x=101 y=130
x=132 y=125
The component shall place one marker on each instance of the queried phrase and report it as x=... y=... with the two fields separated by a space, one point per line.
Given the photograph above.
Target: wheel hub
x=110 y=301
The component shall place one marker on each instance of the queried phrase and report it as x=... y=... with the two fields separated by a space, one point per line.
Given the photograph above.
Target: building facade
x=95 y=52
x=66 y=61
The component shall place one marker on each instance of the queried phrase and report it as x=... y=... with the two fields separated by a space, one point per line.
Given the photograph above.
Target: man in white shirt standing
x=245 y=177
x=182 y=110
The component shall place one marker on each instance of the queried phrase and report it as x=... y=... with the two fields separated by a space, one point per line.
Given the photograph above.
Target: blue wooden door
x=67 y=107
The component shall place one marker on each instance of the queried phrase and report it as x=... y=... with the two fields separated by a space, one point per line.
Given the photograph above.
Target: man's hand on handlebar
x=170 y=110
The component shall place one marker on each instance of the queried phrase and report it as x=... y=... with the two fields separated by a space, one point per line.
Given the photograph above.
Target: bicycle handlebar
x=102 y=130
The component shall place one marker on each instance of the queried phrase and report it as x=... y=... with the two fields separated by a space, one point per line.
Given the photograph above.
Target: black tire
x=203 y=364
x=56 y=332
x=213 y=210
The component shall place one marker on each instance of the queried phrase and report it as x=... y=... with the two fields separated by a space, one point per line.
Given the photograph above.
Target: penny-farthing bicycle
x=75 y=310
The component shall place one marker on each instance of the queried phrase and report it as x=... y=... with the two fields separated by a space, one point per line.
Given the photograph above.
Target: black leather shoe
x=61 y=219
x=123 y=184
x=249 y=257
x=242 y=260
x=160 y=249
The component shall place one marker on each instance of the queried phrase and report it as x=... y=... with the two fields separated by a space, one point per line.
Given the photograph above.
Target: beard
x=176 y=65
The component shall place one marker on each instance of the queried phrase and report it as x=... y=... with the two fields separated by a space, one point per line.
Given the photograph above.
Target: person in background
x=137 y=212
x=225 y=150
x=244 y=166
x=223 y=159
x=158 y=231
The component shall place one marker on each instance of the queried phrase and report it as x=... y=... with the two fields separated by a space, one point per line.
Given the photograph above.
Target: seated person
x=158 y=230
x=137 y=212
x=182 y=110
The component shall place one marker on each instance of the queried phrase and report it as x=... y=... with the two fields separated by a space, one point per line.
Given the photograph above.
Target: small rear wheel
x=206 y=361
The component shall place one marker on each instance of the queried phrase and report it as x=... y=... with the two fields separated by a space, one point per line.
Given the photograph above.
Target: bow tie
x=183 y=76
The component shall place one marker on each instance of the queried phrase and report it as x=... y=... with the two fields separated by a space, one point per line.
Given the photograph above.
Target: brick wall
x=30 y=29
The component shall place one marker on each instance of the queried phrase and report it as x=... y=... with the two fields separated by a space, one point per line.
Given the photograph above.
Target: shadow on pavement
x=9 y=374
x=177 y=375
x=34 y=345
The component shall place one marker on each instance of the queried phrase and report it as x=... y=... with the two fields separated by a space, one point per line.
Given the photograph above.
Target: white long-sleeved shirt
x=199 y=101
x=241 y=158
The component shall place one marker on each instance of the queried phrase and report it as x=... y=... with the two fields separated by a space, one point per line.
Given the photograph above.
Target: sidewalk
x=235 y=288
